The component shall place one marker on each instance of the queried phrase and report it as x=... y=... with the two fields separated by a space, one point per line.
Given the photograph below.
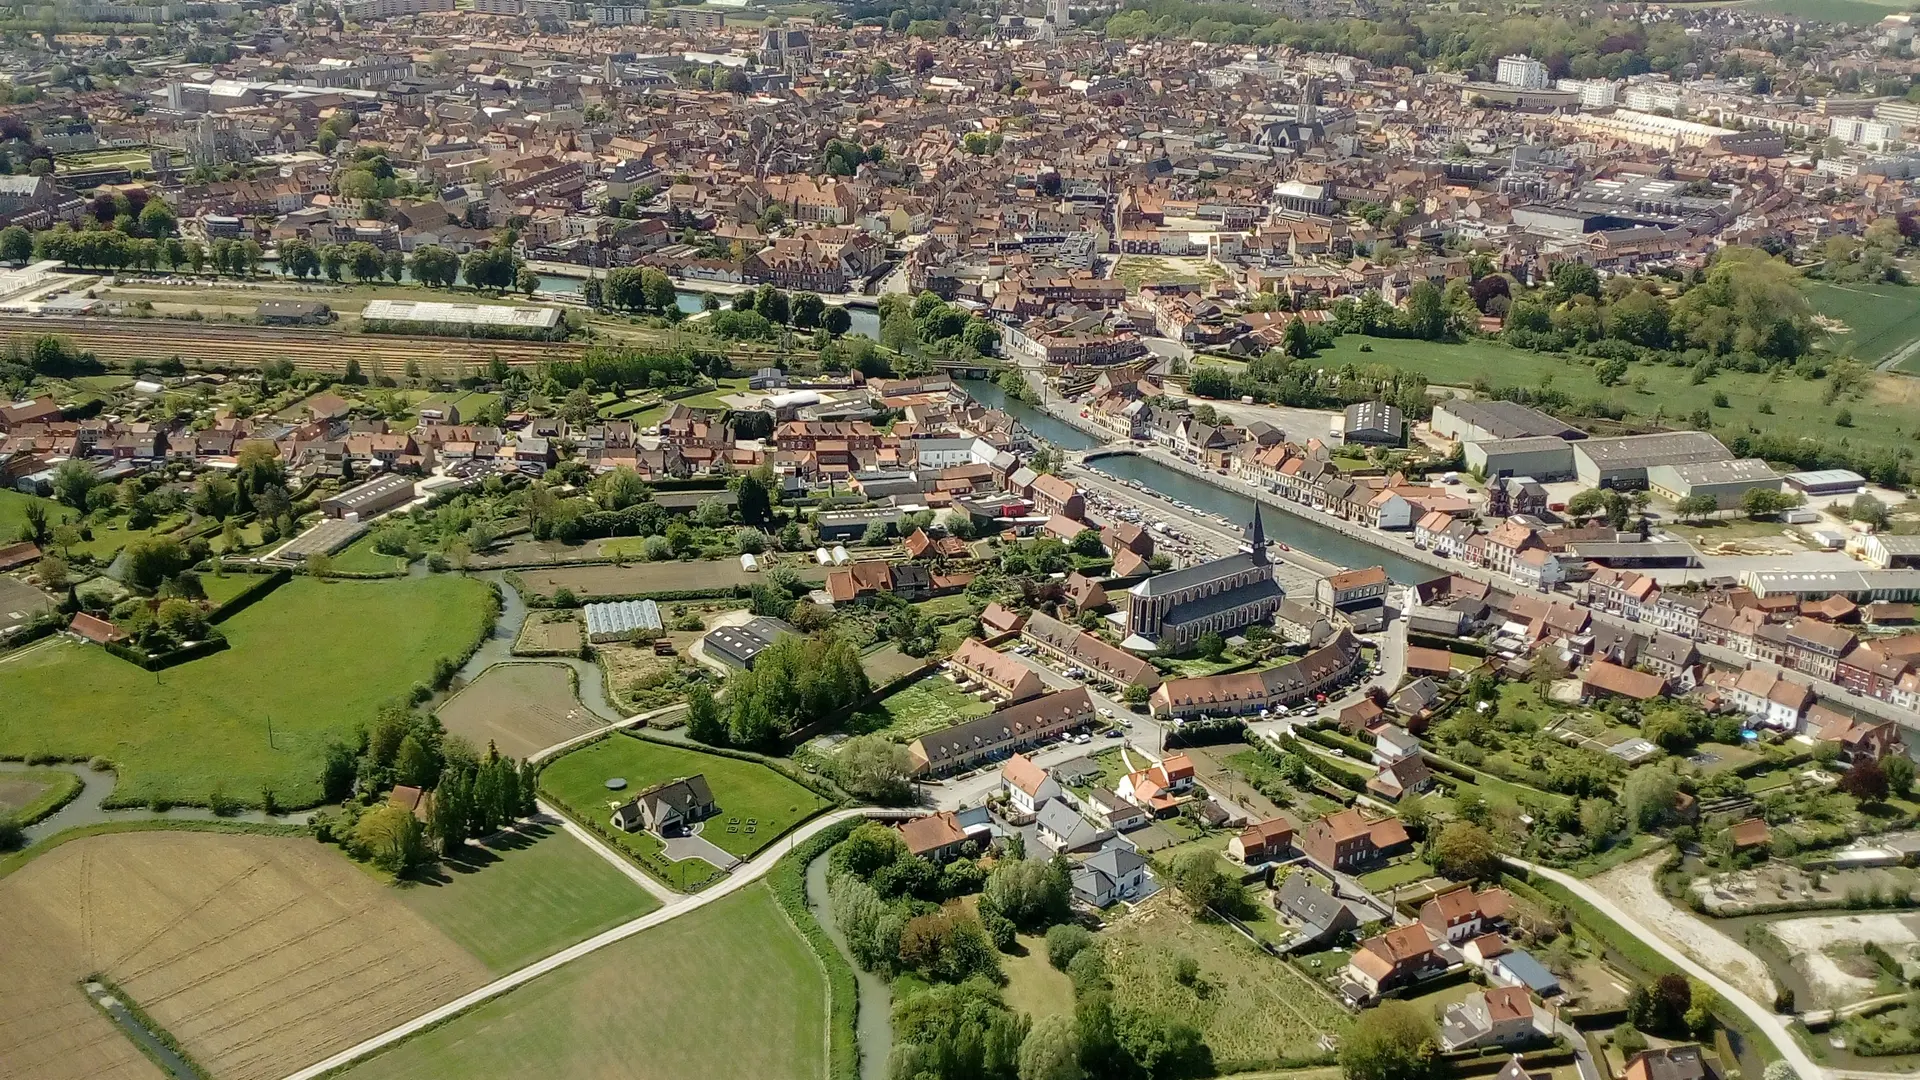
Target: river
x=1291 y=529
x=873 y=1022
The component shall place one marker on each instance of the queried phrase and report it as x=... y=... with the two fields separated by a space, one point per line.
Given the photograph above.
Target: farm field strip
x=251 y=951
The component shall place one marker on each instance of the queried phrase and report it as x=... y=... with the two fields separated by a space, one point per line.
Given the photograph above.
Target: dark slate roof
x=1175 y=580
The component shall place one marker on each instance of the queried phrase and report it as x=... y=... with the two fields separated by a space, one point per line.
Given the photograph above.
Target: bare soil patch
x=1632 y=886
x=549 y=633
x=519 y=708
x=1827 y=949
x=258 y=954
x=16 y=793
x=664 y=577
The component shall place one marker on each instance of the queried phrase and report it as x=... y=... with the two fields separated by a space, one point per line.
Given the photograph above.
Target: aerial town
x=959 y=540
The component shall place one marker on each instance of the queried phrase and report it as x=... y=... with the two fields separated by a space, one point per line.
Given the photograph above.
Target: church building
x=1174 y=610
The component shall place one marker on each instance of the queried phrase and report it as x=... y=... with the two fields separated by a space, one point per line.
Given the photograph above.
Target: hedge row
x=789 y=883
x=248 y=596
x=214 y=643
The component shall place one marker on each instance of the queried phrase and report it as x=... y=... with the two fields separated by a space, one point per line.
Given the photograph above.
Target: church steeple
x=1259 y=536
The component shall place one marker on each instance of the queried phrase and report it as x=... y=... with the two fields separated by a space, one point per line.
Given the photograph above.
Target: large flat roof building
x=1859 y=586
x=1727 y=481
x=1543 y=457
x=1484 y=421
x=1624 y=461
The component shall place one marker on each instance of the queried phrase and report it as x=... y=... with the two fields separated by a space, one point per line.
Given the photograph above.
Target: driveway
x=695 y=846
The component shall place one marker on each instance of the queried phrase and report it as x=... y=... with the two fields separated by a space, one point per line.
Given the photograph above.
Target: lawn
x=1034 y=986
x=1252 y=1009
x=360 y=558
x=711 y=399
x=746 y=791
x=727 y=991
x=526 y=895
x=221 y=588
x=13 y=513
x=103 y=538
x=1879 y=319
x=928 y=704
x=315 y=658
x=1880 y=415
x=1400 y=873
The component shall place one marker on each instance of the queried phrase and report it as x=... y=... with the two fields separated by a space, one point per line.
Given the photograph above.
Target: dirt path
x=1632 y=887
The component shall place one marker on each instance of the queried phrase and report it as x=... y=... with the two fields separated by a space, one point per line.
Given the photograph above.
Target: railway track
x=315 y=348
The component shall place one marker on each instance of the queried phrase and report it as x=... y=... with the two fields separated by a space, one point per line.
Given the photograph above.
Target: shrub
x=1066 y=941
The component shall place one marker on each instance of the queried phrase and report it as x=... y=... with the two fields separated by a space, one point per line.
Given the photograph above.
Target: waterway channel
x=1293 y=530
x=873 y=1025
x=498 y=649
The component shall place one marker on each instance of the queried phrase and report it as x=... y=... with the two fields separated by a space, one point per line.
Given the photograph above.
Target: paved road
x=747 y=874
x=1773 y=1026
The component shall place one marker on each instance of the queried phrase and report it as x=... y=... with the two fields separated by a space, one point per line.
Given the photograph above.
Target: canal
x=1290 y=529
x=1048 y=429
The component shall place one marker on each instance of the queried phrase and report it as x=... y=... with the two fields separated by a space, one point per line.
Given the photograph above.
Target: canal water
x=1050 y=429
x=1290 y=529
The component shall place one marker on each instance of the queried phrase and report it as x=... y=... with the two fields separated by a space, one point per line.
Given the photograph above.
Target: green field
x=1881 y=416
x=525 y=896
x=1858 y=12
x=360 y=558
x=1880 y=319
x=1252 y=1009
x=745 y=790
x=221 y=588
x=928 y=704
x=316 y=658
x=13 y=513
x=730 y=990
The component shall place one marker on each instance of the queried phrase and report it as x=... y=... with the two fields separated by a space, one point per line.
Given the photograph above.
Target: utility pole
x=270 y=745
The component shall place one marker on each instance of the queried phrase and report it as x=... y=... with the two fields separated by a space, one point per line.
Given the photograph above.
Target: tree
x=73 y=481
x=150 y=560
x=1765 y=502
x=392 y=838
x=1052 y=1050
x=1571 y=279
x=1197 y=875
x=1696 y=507
x=1029 y=893
x=1066 y=941
x=1870 y=511
x=1649 y=794
x=875 y=768
x=1393 y=1041
x=1660 y=1007
x=1866 y=781
x=1465 y=851
x=16 y=244
x=1898 y=767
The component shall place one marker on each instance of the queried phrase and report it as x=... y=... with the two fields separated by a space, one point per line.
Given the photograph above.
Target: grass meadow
x=1885 y=415
x=526 y=895
x=315 y=658
x=730 y=990
x=745 y=790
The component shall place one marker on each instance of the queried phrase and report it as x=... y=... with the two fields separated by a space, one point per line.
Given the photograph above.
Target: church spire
x=1259 y=536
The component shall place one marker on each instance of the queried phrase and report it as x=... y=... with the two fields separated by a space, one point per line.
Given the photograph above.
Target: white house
x=1028 y=786
x=1115 y=873
x=1391 y=743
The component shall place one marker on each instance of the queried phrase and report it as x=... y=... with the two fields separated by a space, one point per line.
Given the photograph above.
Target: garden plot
x=521 y=708
x=1827 y=949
